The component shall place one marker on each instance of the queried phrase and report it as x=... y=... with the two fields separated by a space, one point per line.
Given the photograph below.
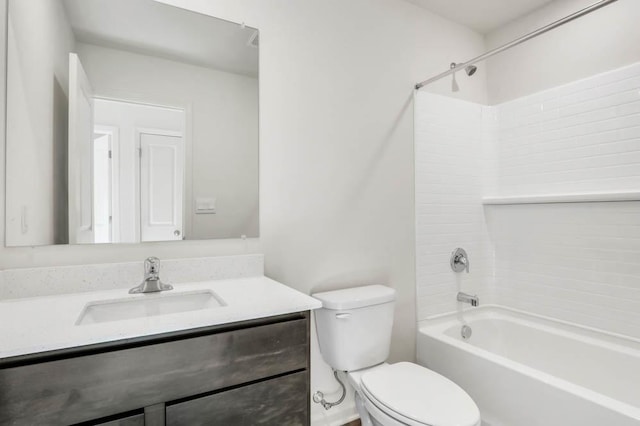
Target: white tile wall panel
x=449 y=214
x=576 y=262
x=584 y=136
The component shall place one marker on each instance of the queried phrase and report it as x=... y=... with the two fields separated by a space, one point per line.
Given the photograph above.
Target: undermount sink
x=148 y=305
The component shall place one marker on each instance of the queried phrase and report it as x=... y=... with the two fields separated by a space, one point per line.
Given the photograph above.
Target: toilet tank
x=354 y=326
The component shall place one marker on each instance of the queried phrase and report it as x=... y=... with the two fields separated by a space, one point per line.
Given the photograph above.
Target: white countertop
x=41 y=324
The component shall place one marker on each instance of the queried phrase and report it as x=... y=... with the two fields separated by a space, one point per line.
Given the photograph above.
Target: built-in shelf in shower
x=585 y=197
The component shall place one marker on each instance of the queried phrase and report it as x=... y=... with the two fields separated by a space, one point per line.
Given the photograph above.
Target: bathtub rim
x=436 y=326
x=486 y=310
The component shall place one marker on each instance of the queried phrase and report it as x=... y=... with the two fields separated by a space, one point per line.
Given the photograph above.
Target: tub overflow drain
x=465 y=332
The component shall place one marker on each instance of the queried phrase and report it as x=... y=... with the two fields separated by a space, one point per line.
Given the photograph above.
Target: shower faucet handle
x=459 y=261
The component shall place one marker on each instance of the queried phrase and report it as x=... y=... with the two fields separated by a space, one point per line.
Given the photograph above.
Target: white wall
x=222 y=117
x=336 y=148
x=451 y=138
x=604 y=40
x=39 y=39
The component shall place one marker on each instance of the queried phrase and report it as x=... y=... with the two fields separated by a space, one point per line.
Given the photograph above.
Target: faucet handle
x=459 y=261
x=152 y=266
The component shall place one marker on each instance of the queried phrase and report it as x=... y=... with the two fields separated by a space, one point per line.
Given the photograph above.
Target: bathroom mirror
x=128 y=121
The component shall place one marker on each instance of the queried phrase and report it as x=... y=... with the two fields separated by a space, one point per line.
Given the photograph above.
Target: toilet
x=354 y=332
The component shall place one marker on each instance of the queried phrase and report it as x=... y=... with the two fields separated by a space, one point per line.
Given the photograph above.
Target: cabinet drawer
x=135 y=420
x=280 y=401
x=88 y=387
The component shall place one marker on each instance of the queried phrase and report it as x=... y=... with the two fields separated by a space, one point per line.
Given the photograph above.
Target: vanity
x=168 y=358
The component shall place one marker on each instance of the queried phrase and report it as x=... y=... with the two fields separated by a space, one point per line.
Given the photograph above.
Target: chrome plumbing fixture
x=467 y=298
x=466 y=332
x=459 y=260
x=318 y=397
x=454 y=83
x=151 y=282
x=470 y=70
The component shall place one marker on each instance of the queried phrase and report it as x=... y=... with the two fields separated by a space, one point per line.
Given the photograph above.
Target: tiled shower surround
x=574 y=261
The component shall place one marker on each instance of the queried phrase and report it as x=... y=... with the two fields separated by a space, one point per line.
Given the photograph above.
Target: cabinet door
x=280 y=401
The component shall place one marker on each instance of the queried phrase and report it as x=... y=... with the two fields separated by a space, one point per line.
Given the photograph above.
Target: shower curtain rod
x=518 y=41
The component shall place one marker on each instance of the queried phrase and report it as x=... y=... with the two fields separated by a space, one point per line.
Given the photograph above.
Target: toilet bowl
x=354 y=332
x=407 y=394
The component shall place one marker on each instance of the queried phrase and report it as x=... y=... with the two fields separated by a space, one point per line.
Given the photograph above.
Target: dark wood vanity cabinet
x=278 y=401
x=252 y=372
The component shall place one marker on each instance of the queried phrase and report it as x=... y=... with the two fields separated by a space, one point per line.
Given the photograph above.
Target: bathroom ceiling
x=483 y=16
x=166 y=31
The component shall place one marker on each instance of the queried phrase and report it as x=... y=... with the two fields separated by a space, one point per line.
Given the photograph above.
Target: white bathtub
x=525 y=370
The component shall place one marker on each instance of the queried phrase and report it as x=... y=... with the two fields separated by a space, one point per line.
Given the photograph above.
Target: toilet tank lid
x=357 y=297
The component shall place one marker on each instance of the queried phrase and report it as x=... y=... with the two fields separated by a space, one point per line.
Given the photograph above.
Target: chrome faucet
x=467 y=298
x=151 y=282
x=459 y=260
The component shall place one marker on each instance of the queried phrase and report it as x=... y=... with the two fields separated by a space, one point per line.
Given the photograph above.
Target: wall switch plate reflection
x=205 y=205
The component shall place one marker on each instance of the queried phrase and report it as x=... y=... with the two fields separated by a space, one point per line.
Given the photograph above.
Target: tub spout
x=467 y=298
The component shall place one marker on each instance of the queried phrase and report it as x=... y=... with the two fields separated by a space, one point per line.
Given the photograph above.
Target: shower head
x=471 y=70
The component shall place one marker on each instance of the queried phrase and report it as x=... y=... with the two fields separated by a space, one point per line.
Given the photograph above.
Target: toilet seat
x=417 y=396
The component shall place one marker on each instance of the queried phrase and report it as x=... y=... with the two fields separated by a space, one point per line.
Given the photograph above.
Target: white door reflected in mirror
x=161 y=177
x=102 y=187
x=81 y=116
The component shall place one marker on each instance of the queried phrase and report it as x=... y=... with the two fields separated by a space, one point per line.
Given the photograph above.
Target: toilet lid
x=420 y=395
